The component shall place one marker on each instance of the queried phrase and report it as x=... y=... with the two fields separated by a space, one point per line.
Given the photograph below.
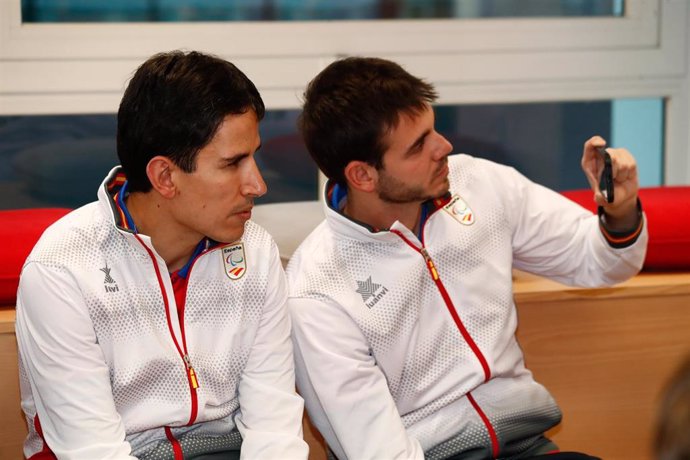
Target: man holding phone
x=401 y=300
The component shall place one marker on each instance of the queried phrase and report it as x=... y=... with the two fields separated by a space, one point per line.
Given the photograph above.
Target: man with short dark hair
x=152 y=323
x=403 y=315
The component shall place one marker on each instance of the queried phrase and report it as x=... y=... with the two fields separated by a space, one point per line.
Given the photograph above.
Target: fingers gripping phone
x=606 y=179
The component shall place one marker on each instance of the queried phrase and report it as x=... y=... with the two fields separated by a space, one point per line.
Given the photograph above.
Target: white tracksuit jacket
x=102 y=352
x=406 y=348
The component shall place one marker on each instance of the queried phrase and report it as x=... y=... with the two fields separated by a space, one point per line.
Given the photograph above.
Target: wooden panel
x=317 y=446
x=606 y=358
x=12 y=424
x=533 y=288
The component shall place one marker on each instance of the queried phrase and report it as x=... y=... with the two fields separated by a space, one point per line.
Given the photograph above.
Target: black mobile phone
x=606 y=179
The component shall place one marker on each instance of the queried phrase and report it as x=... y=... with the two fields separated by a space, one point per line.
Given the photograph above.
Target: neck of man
x=152 y=217
x=368 y=208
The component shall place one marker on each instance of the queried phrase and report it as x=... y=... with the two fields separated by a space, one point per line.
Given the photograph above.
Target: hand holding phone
x=606 y=179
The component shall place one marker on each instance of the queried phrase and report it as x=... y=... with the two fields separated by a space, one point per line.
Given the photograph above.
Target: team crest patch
x=234 y=261
x=460 y=211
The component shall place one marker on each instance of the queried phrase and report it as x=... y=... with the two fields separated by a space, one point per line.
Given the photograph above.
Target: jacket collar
x=109 y=196
x=335 y=197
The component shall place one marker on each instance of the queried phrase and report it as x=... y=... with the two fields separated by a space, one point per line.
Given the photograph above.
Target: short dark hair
x=351 y=105
x=173 y=106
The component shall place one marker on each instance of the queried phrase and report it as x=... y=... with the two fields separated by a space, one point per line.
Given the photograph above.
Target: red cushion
x=19 y=230
x=668 y=222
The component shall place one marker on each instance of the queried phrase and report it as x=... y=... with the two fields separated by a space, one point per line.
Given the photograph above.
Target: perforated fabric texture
x=127 y=305
x=384 y=286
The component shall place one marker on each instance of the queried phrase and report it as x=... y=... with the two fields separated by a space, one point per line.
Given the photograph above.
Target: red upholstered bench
x=667 y=210
x=19 y=231
x=668 y=221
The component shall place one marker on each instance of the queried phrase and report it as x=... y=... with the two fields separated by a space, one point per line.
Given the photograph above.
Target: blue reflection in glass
x=305 y=10
x=60 y=160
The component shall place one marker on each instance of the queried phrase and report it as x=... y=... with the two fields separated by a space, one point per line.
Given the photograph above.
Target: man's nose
x=253 y=183
x=444 y=147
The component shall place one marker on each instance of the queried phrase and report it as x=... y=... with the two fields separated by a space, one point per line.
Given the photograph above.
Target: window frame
x=643 y=54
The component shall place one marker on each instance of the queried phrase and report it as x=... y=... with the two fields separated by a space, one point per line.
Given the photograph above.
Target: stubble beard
x=394 y=191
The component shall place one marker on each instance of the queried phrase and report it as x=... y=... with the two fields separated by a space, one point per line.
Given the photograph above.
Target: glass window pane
x=288 y=170
x=49 y=161
x=544 y=140
x=288 y=10
x=638 y=125
x=61 y=160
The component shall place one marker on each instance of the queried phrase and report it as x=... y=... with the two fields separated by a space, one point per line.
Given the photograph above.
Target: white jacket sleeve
x=557 y=238
x=66 y=369
x=346 y=393
x=270 y=418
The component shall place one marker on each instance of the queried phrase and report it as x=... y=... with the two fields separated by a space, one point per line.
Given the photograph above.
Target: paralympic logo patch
x=460 y=211
x=234 y=261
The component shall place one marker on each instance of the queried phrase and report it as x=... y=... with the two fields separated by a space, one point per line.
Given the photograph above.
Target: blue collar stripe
x=338 y=196
x=121 y=203
x=184 y=271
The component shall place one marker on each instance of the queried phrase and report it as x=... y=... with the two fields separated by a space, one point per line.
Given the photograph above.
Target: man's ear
x=159 y=171
x=361 y=176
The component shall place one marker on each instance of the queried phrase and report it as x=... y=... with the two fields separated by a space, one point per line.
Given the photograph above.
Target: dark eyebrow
x=238 y=157
x=417 y=142
x=235 y=158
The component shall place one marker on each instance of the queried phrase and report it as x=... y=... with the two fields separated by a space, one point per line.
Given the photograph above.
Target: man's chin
x=443 y=191
x=230 y=236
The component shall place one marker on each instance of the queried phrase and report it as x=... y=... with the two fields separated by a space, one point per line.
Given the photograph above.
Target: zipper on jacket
x=177 y=447
x=449 y=304
x=487 y=424
x=182 y=351
x=465 y=335
x=429 y=264
x=190 y=370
